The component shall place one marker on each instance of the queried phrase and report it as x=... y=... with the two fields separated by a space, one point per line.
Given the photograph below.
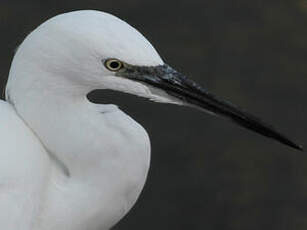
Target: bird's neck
x=102 y=155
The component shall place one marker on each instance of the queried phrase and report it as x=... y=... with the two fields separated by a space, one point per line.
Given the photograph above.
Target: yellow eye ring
x=113 y=65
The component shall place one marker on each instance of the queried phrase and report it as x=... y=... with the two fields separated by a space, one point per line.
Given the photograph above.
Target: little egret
x=67 y=163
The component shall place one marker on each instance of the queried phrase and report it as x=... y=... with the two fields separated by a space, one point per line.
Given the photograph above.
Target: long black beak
x=179 y=86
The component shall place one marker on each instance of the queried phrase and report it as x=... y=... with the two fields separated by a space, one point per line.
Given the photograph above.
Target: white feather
x=78 y=165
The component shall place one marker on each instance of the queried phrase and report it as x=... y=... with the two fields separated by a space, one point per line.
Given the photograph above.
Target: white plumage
x=69 y=164
x=63 y=164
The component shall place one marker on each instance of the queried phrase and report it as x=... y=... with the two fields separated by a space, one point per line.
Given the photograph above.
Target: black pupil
x=114 y=64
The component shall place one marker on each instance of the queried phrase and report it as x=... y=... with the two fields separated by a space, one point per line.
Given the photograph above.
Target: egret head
x=86 y=50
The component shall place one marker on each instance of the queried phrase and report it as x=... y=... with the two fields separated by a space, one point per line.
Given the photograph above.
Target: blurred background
x=207 y=173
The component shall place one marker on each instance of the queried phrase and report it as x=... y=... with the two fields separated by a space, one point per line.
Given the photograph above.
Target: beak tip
x=298 y=147
x=301 y=148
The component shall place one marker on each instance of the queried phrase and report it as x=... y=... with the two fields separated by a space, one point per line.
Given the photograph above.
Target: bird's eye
x=113 y=65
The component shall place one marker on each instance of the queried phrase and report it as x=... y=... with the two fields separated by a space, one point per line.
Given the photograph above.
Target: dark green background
x=207 y=173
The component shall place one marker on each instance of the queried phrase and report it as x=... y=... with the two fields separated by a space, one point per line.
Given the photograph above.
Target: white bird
x=69 y=164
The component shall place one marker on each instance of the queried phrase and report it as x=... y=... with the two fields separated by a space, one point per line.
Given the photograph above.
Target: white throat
x=102 y=155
